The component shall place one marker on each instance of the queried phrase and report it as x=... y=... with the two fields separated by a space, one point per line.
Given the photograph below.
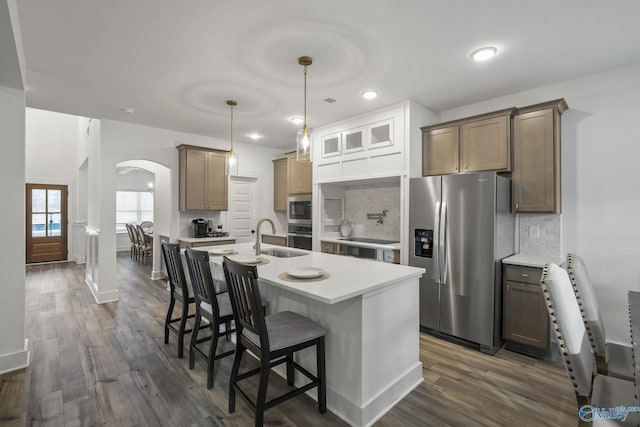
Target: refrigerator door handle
x=442 y=235
x=436 y=244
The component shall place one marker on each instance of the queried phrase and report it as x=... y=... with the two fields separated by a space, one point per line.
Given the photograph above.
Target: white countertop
x=332 y=239
x=205 y=239
x=348 y=277
x=532 y=260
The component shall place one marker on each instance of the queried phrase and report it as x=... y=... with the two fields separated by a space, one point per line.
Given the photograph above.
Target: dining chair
x=612 y=359
x=212 y=303
x=145 y=246
x=134 y=242
x=273 y=339
x=592 y=390
x=180 y=290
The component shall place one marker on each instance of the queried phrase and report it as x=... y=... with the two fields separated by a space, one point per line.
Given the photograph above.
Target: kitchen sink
x=281 y=253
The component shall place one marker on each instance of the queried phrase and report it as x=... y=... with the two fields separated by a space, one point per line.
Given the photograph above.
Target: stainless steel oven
x=299 y=210
x=299 y=236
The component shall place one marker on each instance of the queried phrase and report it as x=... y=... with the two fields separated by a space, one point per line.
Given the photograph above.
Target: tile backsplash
x=374 y=198
x=540 y=235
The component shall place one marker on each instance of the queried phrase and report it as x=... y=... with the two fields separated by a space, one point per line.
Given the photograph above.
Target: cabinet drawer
x=518 y=273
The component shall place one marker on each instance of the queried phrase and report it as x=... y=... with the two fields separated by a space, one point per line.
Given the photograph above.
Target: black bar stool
x=274 y=339
x=212 y=303
x=180 y=291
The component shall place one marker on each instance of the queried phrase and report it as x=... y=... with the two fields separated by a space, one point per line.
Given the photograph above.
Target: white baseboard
x=376 y=407
x=158 y=275
x=102 y=297
x=14 y=361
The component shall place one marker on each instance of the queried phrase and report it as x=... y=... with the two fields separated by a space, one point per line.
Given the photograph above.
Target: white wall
x=133 y=179
x=50 y=138
x=13 y=344
x=600 y=176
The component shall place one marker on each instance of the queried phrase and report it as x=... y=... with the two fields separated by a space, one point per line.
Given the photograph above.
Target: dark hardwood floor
x=108 y=365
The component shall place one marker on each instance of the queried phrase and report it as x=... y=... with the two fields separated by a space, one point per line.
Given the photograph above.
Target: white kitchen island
x=370 y=312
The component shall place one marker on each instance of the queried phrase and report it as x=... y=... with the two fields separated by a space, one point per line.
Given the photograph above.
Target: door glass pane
x=54 y=228
x=39 y=201
x=53 y=200
x=38 y=225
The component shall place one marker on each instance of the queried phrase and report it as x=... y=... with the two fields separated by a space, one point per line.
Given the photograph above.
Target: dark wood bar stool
x=212 y=303
x=180 y=291
x=273 y=339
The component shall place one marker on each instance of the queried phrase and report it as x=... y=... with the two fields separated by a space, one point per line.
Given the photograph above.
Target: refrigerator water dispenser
x=424 y=243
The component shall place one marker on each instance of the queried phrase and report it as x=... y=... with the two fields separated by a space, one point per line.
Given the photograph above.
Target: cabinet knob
x=525 y=275
x=516 y=207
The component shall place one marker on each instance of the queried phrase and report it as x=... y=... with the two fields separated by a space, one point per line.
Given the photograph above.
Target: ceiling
x=177 y=62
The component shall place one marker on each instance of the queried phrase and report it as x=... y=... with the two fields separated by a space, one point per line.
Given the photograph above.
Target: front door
x=46 y=223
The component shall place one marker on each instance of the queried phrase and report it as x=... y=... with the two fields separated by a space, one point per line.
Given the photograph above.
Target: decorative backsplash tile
x=374 y=198
x=547 y=228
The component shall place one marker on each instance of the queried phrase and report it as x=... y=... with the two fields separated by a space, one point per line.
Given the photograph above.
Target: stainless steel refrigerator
x=461 y=227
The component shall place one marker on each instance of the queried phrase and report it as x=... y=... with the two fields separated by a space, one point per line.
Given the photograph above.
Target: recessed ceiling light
x=370 y=94
x=128 y=110
x=483 y=53
x=297 y=120
x=254 y=135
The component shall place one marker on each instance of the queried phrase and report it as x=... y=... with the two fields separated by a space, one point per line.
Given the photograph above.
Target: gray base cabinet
x=525 y=323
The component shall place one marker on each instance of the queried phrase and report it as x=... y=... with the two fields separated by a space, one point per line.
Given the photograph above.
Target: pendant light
x=232 y=157
x=303 y=146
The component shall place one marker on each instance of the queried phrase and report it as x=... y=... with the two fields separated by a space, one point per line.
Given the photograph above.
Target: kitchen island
x=370 y=312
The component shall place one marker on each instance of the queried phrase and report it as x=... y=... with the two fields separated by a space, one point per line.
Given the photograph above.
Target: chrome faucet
x=273 y=230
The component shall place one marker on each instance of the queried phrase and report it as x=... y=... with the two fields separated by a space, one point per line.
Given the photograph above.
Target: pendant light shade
x=303 y=143
x=232 y=157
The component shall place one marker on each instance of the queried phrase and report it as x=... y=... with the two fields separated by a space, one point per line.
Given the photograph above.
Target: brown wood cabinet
x=300 y=176
x=536 y=158
x=203 y=178
x=485 y=144
x=328 y=247
x=274 y=240
x=525 y=322
x=280 y=177
x=474 y=144
x=440 y=151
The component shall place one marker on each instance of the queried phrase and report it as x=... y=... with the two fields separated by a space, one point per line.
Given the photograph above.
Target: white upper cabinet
x=331 y=145
x=381 y=134
x=367 y=146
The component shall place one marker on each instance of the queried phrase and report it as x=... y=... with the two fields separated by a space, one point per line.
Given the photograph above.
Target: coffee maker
x=199 y=227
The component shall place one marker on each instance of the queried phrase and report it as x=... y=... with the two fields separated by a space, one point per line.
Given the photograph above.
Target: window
x=133 y=207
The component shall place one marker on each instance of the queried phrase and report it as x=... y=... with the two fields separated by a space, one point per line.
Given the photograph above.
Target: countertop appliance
x=199 y=228
x=461 y=227
x=299 y=210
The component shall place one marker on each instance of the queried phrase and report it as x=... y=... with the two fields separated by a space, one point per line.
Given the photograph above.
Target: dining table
x=634 y=317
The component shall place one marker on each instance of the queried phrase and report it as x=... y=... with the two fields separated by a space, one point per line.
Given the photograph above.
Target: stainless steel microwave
x=299 y=210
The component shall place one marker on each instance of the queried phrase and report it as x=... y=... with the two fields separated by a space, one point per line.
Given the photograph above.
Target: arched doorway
x=154 y=179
